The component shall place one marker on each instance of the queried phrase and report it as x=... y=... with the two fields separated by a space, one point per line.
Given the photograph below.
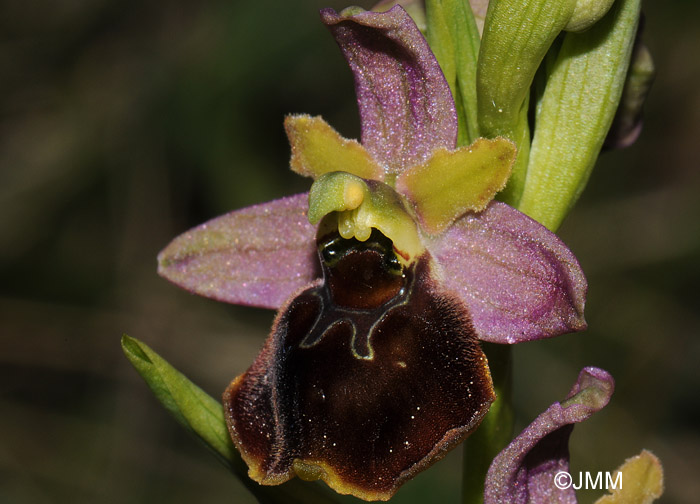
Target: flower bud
x=586 y=13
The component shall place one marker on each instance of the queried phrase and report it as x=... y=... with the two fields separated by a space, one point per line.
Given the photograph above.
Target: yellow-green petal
x=641 y=481
x=317 y=149
x=452 y=183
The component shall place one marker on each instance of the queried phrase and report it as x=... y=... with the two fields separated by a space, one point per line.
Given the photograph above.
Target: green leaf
x=203 y=416
x=520 y=135
x=193 y=408
x=454 y=39
x=574 y=116
x=587 y=13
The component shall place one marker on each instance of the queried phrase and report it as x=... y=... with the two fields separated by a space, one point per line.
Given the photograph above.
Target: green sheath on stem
x=579 y=103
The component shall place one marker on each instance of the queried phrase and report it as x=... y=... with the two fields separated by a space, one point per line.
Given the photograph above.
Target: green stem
x=495 y=431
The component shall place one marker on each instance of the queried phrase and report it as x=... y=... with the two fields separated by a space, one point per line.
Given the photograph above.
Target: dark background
x=124 y=123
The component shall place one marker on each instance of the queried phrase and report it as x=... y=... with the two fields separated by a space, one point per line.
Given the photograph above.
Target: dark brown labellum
x=367 y=378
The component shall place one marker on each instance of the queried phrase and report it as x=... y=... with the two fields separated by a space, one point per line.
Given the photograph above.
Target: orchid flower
x=534 y=467
x=386 y=275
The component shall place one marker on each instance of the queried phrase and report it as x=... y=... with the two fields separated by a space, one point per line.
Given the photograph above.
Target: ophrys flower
x=386 y=276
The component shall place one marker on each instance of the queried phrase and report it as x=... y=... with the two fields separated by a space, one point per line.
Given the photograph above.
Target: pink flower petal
x=257 y=256
x=406 y=108
x=528 y=469
x=518 y=279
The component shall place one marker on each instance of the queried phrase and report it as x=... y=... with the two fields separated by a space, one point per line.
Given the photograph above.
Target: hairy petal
x=317 y=149
x=361 y=387
x=451 y=183
x=406 y=108
x=519 y=281
x=257 y=256
x=524 y=472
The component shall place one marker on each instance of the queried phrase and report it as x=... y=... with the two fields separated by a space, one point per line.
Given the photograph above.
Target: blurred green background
x=125 y=123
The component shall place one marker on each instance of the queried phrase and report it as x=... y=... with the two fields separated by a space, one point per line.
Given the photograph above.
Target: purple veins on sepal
x=406 y=108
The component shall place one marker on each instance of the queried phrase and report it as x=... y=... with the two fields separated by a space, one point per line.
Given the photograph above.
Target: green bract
x=193 y=408
x=203 y=416
x=575 y=113
x=575 y=100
